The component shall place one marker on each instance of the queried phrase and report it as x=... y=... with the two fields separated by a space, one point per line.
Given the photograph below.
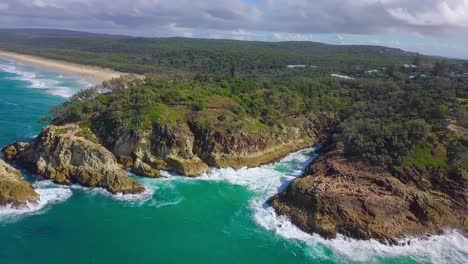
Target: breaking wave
x=49 y=193
x=54 y=85
x=266 y=181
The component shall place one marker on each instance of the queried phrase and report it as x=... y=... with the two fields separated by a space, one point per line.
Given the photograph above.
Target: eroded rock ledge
x=350 y=198
x=190 y=148
x=69 y=154
x=64 y=155
x=13 y=189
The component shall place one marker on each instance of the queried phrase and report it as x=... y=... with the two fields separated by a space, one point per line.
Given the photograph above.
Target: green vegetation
x=386 y=113
x=423 y=155
x=216 y=57
x=381 y=121
x=457 y=155
x=389 y=117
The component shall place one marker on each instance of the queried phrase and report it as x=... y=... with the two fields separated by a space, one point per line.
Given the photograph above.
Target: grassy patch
x=253 y=125
x=162 y=114
x=87 y=132
x=464 y=102
x=425 y=154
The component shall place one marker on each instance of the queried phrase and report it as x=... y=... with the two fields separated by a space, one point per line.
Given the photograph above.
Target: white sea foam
x=137 y=198
x=265 y=181
x=37 y=81
x=49 y=193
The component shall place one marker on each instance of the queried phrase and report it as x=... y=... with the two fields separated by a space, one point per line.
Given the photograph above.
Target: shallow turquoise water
x=219 y=218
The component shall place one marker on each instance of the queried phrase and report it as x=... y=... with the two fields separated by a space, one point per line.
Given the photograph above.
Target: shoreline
x=92 y=74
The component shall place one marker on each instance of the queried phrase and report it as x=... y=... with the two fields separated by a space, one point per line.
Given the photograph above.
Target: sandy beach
x=92 y=74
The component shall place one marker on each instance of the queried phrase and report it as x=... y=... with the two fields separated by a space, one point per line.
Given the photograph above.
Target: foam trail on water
x=49 y=193
x=52 y=84
x=141 y=197
x=266 y=181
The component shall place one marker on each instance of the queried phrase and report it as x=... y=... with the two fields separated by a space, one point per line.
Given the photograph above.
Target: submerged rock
x=341 y=196
x=13 y=189
x=64 y=155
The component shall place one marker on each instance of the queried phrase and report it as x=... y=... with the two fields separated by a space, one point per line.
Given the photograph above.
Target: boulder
x=13 y=189
x=142 y=169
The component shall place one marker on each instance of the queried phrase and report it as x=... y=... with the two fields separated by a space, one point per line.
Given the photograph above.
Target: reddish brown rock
x=340 y=196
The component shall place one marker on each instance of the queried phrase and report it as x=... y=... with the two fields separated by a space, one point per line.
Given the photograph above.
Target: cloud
x=4 y=6
x=246 y=19
x=447 y=14
x=147 y=17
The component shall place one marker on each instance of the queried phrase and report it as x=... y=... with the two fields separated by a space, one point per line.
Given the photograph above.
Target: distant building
x=339 y=76
x=418 y=76
x=296 y=66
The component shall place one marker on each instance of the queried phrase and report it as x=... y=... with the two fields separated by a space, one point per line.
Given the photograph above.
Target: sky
x=433 y=27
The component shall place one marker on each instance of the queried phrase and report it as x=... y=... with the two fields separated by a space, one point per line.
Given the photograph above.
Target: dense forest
x=219 y=57
x=380 y=121
x=389 y=112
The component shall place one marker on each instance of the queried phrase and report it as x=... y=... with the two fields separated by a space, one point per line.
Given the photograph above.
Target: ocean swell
x=51 y=83
x=265 y=181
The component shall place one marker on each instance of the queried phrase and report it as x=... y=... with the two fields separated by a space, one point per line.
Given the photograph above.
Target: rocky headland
x=65 y=156
x=70 y=154
x=339 y=196
x=417 y=187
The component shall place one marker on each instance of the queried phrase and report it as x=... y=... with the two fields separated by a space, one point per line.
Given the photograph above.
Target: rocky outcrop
x=337 y=195
x=145 y=170
x=189 y=148
x=161 y=148
x=13 y=189
x=64 y=155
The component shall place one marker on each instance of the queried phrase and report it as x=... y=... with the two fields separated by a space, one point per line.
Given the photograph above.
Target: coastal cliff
x=13 y=189
x=65 y=156
x=337 y=195
x=190 y=148
x=69 y=154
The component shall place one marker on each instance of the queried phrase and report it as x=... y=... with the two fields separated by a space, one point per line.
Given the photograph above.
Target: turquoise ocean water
x=218 y=218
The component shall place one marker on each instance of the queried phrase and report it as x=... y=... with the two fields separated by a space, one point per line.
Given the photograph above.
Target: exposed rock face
x=145 y=170
x=13 y=189
x=353 y=199
x=161 y=148
x=189 y=148
x=63 y=155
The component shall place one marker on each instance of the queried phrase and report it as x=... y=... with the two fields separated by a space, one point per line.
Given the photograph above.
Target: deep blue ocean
x=220 y=217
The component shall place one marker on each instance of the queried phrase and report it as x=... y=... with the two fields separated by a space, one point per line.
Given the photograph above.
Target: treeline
x=380 y=120
x=217 y=57
x=387 y=118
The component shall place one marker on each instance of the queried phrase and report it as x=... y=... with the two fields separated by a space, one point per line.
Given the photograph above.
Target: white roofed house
x=339 y=76
x=296 y=66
